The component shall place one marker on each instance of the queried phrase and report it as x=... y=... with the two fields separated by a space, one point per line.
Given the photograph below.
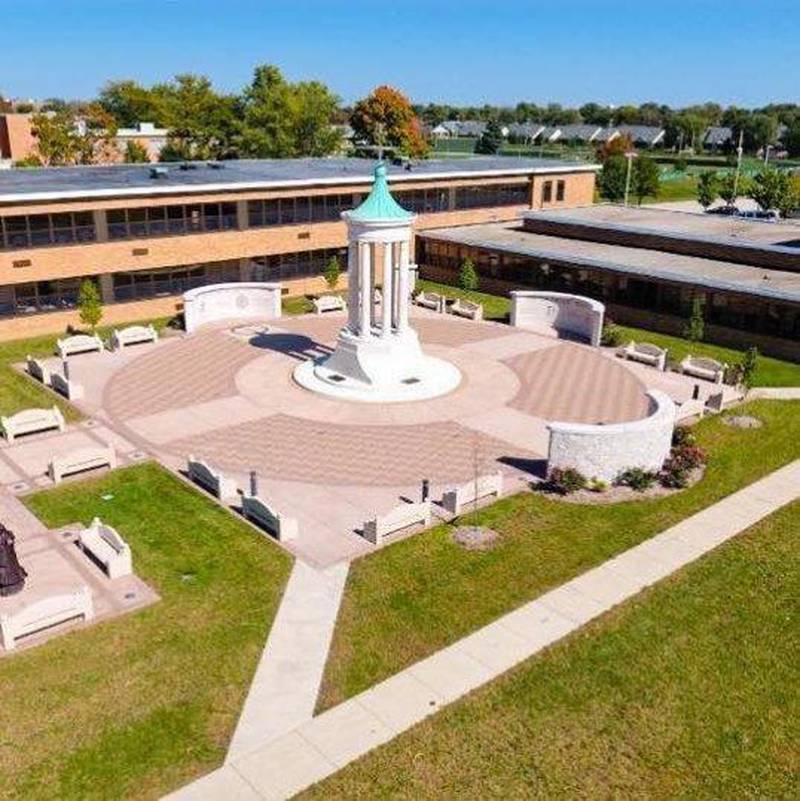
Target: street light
x=630 y=155
x=767 y=148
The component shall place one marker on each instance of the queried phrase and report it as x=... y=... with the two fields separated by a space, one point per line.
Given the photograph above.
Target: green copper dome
x=380 y=205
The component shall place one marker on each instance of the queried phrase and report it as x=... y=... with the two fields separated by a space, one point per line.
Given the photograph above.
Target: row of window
x=283 y=266
x=36 y=230
x=172 y=280
x=296 y=210
x=170 y=220
x=547 y=191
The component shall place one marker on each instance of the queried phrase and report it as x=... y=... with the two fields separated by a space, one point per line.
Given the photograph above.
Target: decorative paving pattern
x=196 y=369
x=571 y=383
x=295 y=449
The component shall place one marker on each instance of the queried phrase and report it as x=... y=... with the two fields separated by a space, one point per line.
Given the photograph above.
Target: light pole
x=630 y=156
x=738 y=167
x=767 y=148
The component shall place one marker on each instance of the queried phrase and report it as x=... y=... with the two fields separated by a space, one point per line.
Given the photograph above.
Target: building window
x=560 y=187
x=172 y=280
x=297 y=210
x=41 y=230
x=491 y=195
x=170 y=220
x=285 y=266
x=547 y=192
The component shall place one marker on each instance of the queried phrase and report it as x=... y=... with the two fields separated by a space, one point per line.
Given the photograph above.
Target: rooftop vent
x=158 y=172
x=188 y=165
x=215 y=165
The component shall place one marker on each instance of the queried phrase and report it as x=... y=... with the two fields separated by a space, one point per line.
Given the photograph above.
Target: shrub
x=612 y=335
x=673 y=475
x=636 y=478
x=597 y=484
x=468 y=277
x=565 y=480
x=683 y=435
x=332 y=272
x=689 y=457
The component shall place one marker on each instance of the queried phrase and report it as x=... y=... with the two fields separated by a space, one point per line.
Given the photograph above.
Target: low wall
x=604 y=451
x=573 y=314
x=235 y=301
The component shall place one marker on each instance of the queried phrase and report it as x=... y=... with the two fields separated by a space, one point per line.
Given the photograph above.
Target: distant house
x=718 y=136
x=524 y=131
x=606 y=135
x=643 y=135
x=550 y=133
x=453 y=129
x=146 y=134
x=577 y=133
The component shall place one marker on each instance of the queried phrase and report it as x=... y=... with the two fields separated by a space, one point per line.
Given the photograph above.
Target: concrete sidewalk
x=325 y=744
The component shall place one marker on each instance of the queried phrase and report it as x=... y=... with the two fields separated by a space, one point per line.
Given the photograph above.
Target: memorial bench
x=69 y=389
x=260 y=512
x=645 y=353
x=466 y=308
x=704 y=367
x=38 y=369
x=45 y=614
x=403 y=516
x=79 y=343
x=80 y=461
x=203 y=474
x=105 y=546
x=326 y=303
x=456 y=499
x=430 y=300
x=32 y=421
x=133 y=335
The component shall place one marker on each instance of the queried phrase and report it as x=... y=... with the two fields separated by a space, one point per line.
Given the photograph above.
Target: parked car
x=769 y=216
x=726 y=211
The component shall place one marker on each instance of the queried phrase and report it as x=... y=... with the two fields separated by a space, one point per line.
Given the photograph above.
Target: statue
x=12 y=574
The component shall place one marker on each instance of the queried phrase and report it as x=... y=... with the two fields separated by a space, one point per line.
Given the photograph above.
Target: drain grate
x=411 y=380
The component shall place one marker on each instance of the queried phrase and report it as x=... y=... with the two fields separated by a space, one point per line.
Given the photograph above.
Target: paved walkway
x=774 y=393
x=325 y=744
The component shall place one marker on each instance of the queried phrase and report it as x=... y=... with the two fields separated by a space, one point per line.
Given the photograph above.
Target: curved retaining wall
x=573 y=314
x=604 y=451
x=235 y=301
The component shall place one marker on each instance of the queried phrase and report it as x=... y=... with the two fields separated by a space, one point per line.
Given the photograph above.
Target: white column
x=365 y=280
x=352 y=287
x=387 y=303
x=402 y=301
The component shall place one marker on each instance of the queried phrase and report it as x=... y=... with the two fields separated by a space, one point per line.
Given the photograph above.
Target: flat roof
x=62 y=183
x=711 y=273
x=684 y=224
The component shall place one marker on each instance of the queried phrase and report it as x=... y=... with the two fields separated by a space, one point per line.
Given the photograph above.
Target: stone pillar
x=106 y=282
x=242 y=217
x=388 y=287
x=100 y=225
x=402 y=307
x=352 y=287
x=365 y=279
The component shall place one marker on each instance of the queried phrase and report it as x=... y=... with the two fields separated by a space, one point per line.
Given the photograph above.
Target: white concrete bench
x=456 y=499
x=80 y=461
x=403 y=516
x=326 y=303
x=44 y=614
x=31 y=421
x=645 y=353
x=38 y=369
x=103 y=543
x=260 y=512
x=430 y=300
x=69 y=389
x=704 y=367
x=133 y=335
x=79 y=343
x=202 y=473
x=466 y=308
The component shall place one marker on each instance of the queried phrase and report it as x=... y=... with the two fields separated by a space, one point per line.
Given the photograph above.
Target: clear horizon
x=606 y=51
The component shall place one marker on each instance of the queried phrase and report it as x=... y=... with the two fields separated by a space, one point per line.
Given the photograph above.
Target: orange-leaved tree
x=385 y=118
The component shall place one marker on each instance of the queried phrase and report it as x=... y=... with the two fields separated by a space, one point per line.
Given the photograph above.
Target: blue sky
x=466 y=52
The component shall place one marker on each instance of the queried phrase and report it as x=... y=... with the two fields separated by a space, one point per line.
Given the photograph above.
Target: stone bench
x=38 y=369
x=80 y=461
x=403 y=516
x=202 y=473
x=44 y=614
x=79 y=343
x=645 y=353
x=430 y=300
x=466 y=308
x=69 y=389
x=133 y=335
x=105 y=545
x=32 y=421
x=258 y=511
x=456 y=499
x=326 y=303
x=704 y=367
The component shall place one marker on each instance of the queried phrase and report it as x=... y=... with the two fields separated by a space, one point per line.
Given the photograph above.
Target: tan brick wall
x=578 y=190
x=16 y=139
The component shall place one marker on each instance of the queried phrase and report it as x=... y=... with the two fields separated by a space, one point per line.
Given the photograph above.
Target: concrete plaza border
x=320 y=747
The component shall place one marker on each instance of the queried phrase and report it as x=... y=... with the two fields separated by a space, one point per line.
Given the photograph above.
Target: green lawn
x=136 y=706
x=495 y=307
x=393 y=615
x=689 y=691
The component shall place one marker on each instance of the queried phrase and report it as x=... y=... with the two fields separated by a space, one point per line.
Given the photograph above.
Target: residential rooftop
x=57 y=183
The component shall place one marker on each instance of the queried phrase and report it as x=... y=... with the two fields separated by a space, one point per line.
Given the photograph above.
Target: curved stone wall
x=604 y=451
x=573 y=314
x=235 y=301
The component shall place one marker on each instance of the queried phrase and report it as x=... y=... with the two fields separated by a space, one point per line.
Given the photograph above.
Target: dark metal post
x=65 y=365
x=696 y=392
x=426 y=489
x=253 y=484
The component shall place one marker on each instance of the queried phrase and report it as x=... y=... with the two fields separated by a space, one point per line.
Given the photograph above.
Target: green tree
x=131 y=103
x=386 y=117
x=612 y=178
x=491 y=139
x=332 y=272
x=790 y=202
x=646 y=178
x=771 y=189
x=90 y=306
x=792 y=138
x=136 y=153
x=695 y=328
x=468 y=277
x=727 y=188
x=707 y=188
x=747 y=368
x=74 y=136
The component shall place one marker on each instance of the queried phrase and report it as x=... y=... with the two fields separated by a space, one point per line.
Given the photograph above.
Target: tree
x=612 y=178
x=130 y=103
x=695 y=327
x=385 y=117
x=646 y=178
x=136 y=153
x=332 y=272
x=79 y=136
x=468 y=277
x=707 y=188
x=491 y=139
x=790 y=202
x=745 y=370
x=770 y=189
x=727 y=189
x=792 y=138
x=618 y=146
x=90 y=306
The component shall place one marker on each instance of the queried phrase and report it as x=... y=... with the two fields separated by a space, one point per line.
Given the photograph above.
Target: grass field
x=690 y=691
x=769 y=373
x=392 y=615
x=136 y=706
